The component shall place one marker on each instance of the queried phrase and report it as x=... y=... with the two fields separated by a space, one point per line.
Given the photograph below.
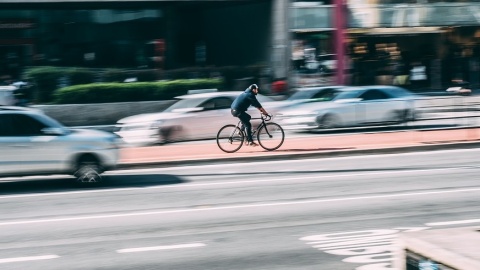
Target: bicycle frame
x=264 y=119
x=238 y=134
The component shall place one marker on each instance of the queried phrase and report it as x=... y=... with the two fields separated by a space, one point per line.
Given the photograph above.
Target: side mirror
x=54 y=131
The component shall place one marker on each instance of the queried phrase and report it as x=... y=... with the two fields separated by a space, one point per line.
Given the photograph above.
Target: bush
x=47 y=79
x=125 y=92
x=80 y=76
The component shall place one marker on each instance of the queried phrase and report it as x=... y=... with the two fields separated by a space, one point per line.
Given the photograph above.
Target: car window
x=20 y=125
x=374 y=95
x=185 y=103
x=25 y=125
x=347 y=94
x=311 y=94
x=208 y=105
x=397 y=92
x=327 y=94
x=302 y=94
x=223 y=103
x=6 y=124
x=217 y=103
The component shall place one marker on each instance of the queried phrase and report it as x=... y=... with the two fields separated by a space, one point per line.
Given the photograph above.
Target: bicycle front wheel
x=230 y=138
x=271 y=136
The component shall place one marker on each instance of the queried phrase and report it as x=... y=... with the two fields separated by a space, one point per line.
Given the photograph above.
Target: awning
x=312 y=30
x=395 y=31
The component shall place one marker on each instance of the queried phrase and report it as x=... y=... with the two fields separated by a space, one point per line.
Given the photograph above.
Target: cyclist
x=240 y=106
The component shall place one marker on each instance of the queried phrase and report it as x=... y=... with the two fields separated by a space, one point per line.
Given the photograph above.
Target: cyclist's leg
x=236 y=113
x=245 y=118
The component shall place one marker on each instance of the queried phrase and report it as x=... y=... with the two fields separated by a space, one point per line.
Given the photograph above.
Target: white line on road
x=142 y=249
x=240 y=206
x=292 y=161
x=25 y=259
x=445 y=223
x=225 y=183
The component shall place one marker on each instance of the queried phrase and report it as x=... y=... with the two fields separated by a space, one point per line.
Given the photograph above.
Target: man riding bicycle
x=240 y=106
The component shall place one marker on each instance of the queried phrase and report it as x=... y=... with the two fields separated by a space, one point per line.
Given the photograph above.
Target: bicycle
x=270 y=136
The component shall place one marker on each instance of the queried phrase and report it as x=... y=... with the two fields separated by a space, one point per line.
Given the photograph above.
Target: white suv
x=31 y=143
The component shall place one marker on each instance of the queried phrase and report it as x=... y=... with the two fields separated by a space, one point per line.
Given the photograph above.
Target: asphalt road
x=302 y=214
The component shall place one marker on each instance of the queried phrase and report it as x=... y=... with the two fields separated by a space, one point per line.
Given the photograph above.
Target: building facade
x=384 y=37
x=141 y=34
x=442 y=36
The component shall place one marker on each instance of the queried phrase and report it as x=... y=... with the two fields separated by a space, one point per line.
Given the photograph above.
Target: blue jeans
x=245 y=118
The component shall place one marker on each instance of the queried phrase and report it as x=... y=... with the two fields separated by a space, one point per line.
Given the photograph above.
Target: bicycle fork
x=266 y=130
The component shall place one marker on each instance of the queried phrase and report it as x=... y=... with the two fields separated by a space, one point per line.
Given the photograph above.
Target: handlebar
x=267 y=117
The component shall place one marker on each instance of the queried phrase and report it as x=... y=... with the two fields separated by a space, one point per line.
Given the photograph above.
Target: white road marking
x=225 y=183
x=445 y=223
x=240 y=206
x=142 y=249
x=290 y=161
x=25 y=259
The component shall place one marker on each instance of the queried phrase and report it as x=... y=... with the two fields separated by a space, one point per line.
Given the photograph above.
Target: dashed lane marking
x=25 y=259
x=142 y=249
x=239 y=206
x=226 y=183
x=457 y=222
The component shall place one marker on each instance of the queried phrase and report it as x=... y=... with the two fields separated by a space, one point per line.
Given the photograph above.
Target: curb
x=313 y=154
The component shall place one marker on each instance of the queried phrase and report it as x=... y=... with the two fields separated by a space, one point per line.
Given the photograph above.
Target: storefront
x=442 y=38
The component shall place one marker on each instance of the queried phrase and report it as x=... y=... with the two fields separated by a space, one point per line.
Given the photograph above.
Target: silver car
x=308 y=94
x=192 y=117
x=31 y=143
x=352 y=106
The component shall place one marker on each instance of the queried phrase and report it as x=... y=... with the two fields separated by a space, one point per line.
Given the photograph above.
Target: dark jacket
x=244 y=100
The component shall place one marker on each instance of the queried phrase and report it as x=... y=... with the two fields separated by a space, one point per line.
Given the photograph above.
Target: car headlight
x=114 y=142
x=156 y=124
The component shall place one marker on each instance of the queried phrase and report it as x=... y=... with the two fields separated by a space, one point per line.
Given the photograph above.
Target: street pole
x=339 y=24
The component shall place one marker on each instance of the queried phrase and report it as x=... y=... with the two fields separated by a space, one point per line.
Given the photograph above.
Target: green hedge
x=125 y=92
x=46 y=80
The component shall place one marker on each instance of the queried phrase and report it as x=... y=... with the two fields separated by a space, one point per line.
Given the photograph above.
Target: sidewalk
x=321 y=146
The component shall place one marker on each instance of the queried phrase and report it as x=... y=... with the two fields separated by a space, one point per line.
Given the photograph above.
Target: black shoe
x=252 y=144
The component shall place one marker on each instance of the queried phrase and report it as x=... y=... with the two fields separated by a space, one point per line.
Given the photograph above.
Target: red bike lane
x=308 y=146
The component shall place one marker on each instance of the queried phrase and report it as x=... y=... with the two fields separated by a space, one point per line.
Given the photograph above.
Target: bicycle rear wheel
x=230 y=138
x=271 y=136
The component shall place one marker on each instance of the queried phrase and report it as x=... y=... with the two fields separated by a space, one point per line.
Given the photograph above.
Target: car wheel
x=400 y=117
x=169 y=134
x=328 y=121
x=412 y=115
x=88 y=171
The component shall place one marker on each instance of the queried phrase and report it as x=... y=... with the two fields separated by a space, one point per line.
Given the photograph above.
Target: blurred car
x=460 y=87
x=352 y=106
x=32 y=143
x=192 y=117
x=308 y=94
x=326 y=64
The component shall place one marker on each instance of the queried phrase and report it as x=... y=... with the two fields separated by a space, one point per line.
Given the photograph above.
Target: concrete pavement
x=204 y=152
